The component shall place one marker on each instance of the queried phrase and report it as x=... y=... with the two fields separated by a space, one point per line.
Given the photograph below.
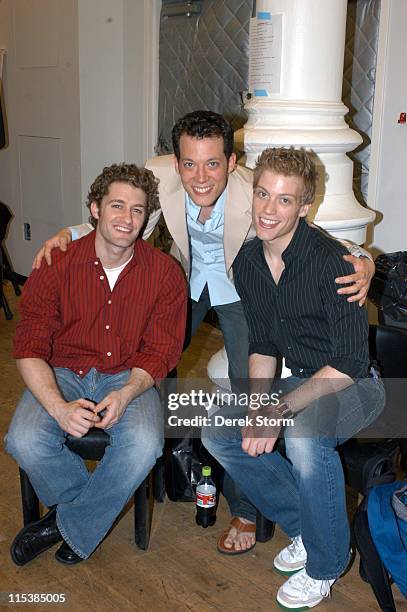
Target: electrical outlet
x=27 y=231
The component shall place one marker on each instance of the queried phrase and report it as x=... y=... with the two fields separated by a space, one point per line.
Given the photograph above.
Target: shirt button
x=96 y=263
x=107 y=326
x=109 y=301
x=109 y=354
x=101 y=277
x=80 y=371
x=290 y=348
x=281 y=320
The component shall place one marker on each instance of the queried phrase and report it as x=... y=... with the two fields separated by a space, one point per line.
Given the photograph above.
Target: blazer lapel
x=172 y=202
x=238 y=217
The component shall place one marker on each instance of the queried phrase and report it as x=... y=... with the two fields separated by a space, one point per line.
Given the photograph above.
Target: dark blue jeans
x=236 y=337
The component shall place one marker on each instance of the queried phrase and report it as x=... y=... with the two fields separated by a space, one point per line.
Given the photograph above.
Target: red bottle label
x=205 y=501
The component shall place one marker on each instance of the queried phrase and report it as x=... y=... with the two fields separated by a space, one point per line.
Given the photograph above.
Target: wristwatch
x=285 y=411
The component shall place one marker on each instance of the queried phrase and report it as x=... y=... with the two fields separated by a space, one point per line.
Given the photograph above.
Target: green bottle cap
x=206 y=470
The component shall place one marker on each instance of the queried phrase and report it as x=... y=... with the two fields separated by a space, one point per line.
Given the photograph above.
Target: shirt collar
x=88 y=252
x=300 y=246
x=193 y=210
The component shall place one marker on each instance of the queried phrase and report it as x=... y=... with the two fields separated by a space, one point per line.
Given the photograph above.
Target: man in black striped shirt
x=285 y=280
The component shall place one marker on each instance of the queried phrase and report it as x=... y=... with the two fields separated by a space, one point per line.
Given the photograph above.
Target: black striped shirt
x=303 y=318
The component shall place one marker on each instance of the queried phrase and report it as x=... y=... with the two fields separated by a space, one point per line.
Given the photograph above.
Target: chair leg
x=143 y=502
x=159 y=480
x=9 y=272
x=6 y=307
x=264 y=528
x=29 y=499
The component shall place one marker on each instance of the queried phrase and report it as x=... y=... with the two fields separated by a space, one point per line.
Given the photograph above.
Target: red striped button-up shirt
x=70 y=318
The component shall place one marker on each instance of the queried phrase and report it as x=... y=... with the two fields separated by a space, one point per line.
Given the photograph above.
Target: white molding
x=379 y=103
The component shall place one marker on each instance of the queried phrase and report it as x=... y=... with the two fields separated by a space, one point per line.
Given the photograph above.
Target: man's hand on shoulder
x=360 y=280
x=77 y=417
x=59 y=241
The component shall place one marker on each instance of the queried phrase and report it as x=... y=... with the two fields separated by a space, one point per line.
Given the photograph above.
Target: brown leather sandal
x=240 y=528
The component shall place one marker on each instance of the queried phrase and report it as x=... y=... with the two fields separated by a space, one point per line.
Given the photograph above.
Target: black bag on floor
x=184 y=459
x=389 y=285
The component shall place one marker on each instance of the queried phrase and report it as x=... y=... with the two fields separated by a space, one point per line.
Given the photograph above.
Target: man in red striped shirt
x=97 y=330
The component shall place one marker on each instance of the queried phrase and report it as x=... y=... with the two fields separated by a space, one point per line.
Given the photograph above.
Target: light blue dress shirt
x=207 y=254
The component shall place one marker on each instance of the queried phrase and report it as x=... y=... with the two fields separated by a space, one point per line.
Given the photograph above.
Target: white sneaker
x=301 y=591
x=292 y=558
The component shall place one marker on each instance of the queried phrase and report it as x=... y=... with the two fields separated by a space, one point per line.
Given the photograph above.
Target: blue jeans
x=304 y=492
x=236 y=338
x=87 y=503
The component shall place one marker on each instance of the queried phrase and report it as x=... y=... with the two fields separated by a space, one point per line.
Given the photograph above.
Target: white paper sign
x=266 y=33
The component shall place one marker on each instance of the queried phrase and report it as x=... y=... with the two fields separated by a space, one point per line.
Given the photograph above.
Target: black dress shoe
x=66 y=555
x=35 y=538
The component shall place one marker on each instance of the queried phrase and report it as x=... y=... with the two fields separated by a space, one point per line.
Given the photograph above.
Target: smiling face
x=121 y=216
x=277 y=208
x=203 y=168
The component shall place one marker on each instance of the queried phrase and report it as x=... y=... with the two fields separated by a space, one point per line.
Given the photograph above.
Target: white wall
x=118 y=67
x=141 y=34
x=81 y=88
x=40 y=169
x=387 y=180
x=101 y=79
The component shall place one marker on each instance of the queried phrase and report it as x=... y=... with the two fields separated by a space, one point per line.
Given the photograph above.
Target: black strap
x=373 y=568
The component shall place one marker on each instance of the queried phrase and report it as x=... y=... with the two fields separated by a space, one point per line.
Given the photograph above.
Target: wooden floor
x=181 y=570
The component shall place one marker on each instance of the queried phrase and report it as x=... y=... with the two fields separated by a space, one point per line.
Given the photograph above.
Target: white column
x=300 y=104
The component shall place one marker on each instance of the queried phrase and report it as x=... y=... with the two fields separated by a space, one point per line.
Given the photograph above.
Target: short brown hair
x=289 y=162
x=141 y=178
x=203 y=124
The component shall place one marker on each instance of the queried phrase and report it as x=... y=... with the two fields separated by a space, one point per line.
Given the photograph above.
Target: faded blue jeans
x=304 y=492
x=87 y=503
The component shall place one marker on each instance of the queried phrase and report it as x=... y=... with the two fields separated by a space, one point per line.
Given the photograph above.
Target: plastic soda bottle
x=206 y=499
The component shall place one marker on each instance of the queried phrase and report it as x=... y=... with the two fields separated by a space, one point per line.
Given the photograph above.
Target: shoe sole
x=288 y=573
x=231 y=552
x=300 y=609
x=65 y=562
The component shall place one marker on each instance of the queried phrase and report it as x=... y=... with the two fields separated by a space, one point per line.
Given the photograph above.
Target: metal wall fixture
x=181 y=9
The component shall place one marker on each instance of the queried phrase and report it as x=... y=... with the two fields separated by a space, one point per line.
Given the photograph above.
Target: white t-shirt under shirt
x=112 y=274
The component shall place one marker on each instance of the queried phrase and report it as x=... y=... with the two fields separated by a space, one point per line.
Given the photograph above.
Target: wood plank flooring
x=180 y=572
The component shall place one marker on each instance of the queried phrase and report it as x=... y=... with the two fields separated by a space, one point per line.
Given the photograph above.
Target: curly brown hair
x=289 y=162
x=124 y=173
